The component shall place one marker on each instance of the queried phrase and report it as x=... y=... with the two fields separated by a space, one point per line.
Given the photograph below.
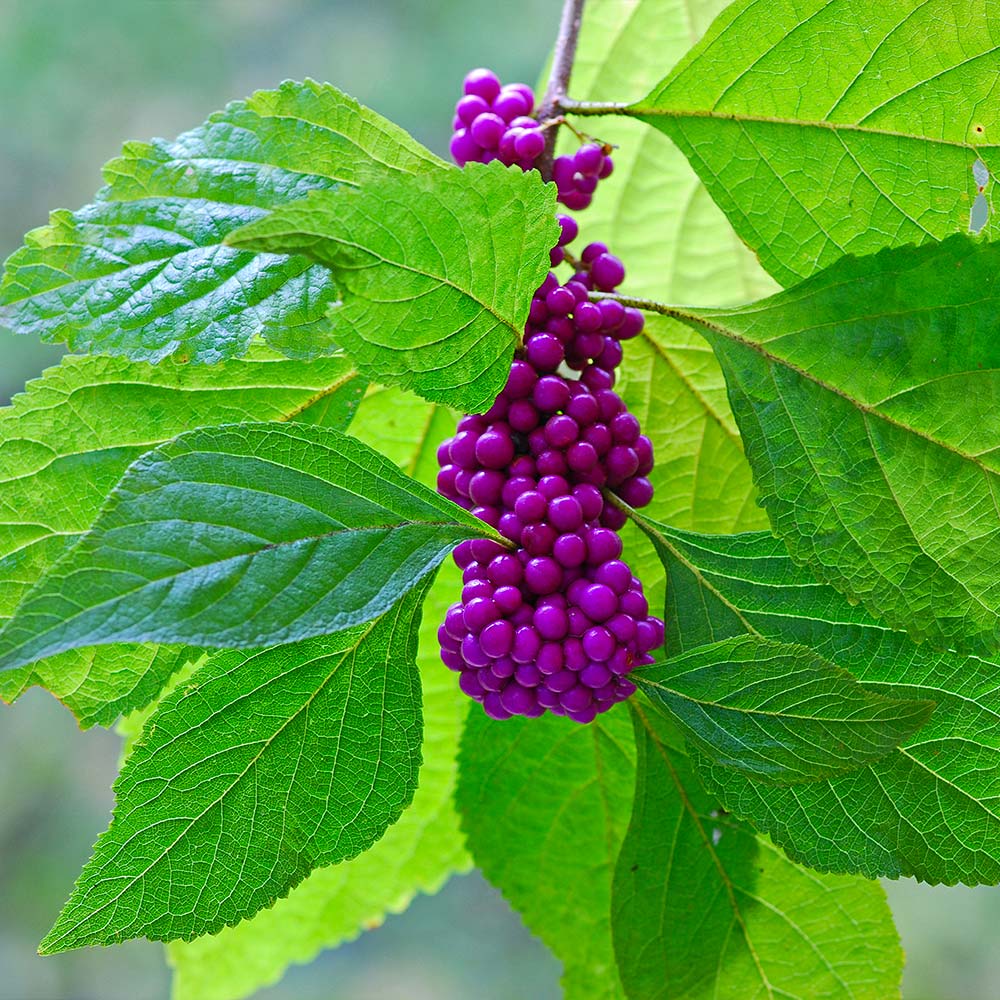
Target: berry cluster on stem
x=557 y=623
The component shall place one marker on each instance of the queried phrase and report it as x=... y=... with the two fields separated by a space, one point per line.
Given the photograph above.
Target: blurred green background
x=77 y=78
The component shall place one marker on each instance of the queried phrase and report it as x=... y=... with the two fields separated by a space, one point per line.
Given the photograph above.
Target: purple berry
x=599 y=602
x=482 y=83
x=551 y=393
x=543 y=575
x=496 y=639
x=526 y=644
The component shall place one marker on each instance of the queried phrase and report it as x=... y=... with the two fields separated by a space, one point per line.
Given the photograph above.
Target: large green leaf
x=867 y=399
x=831 y=127
x=241 y=535
x=335 y=904
x=260 y=768
x=545 y=803
x=777 y=712
x=144 y=272
x=703 y=908
x=929 y=809
x=437 y=272
x=68 y=439
x=420 y=851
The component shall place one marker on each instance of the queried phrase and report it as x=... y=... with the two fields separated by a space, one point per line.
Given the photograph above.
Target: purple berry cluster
x=576 y=176
x=556 y=623
x=493 y=123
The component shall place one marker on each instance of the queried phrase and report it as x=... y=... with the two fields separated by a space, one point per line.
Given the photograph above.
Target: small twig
x=591 y=107
x=562 y=67
x=648 y=305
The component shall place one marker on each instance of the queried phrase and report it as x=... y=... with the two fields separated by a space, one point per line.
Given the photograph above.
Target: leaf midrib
x=646 y=111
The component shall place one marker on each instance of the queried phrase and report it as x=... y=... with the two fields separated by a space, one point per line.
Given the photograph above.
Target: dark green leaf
x=703 y=908
x=929 y=809
x=241 y=535
x=828 y=127
x=777 y=712
x=545 y=803
x=420 y=851
x=68 y=439
x=437 y=272
x=867 y=398
x=260 y=768
x=144 y=272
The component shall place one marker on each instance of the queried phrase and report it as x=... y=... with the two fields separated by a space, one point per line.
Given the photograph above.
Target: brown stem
x=562 y=67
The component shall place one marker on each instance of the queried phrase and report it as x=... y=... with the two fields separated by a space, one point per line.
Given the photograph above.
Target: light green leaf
x=260 y=768
x=66 y=442
x=242 y=535
x=144 y=272
x=703 y=908
x=868 y=398
x=927 y=810
x=545 y=803
x=417 y=854
x=831 y=127
x=425 y=846
x=777 y=712
x=437 y=272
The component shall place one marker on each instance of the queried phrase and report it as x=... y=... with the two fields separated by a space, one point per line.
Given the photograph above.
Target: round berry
x=494 y=449
x=589 y=158
x=530 y=507
x=598 y=602
x=636 y=492
x=544 y=352
x=598 y=643
x=551 y=393
x=569 y=550
x=550 y=621
x=487 y=130
x=482 y=83
x=543 y=575
x=496 y=639
x=561 y=430
x=538 y=539
x=526 y=644
x=480 y=612
x=569 y=230
x=529 y=145
x=565 y=513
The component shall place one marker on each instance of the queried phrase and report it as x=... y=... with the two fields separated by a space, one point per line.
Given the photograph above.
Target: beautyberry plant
x=726 y=590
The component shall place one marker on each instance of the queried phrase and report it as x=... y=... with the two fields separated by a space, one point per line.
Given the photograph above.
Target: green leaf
x=260 y=768
x=242 y=535
x=437 y=272
x=144 y=272
x=417 y=854
x=827 y=127
x=867 y=399
x=703 y=908
x=66 y=442
x=927 y=810
x=426 y=845
x=545 y=803
x=777 y=712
